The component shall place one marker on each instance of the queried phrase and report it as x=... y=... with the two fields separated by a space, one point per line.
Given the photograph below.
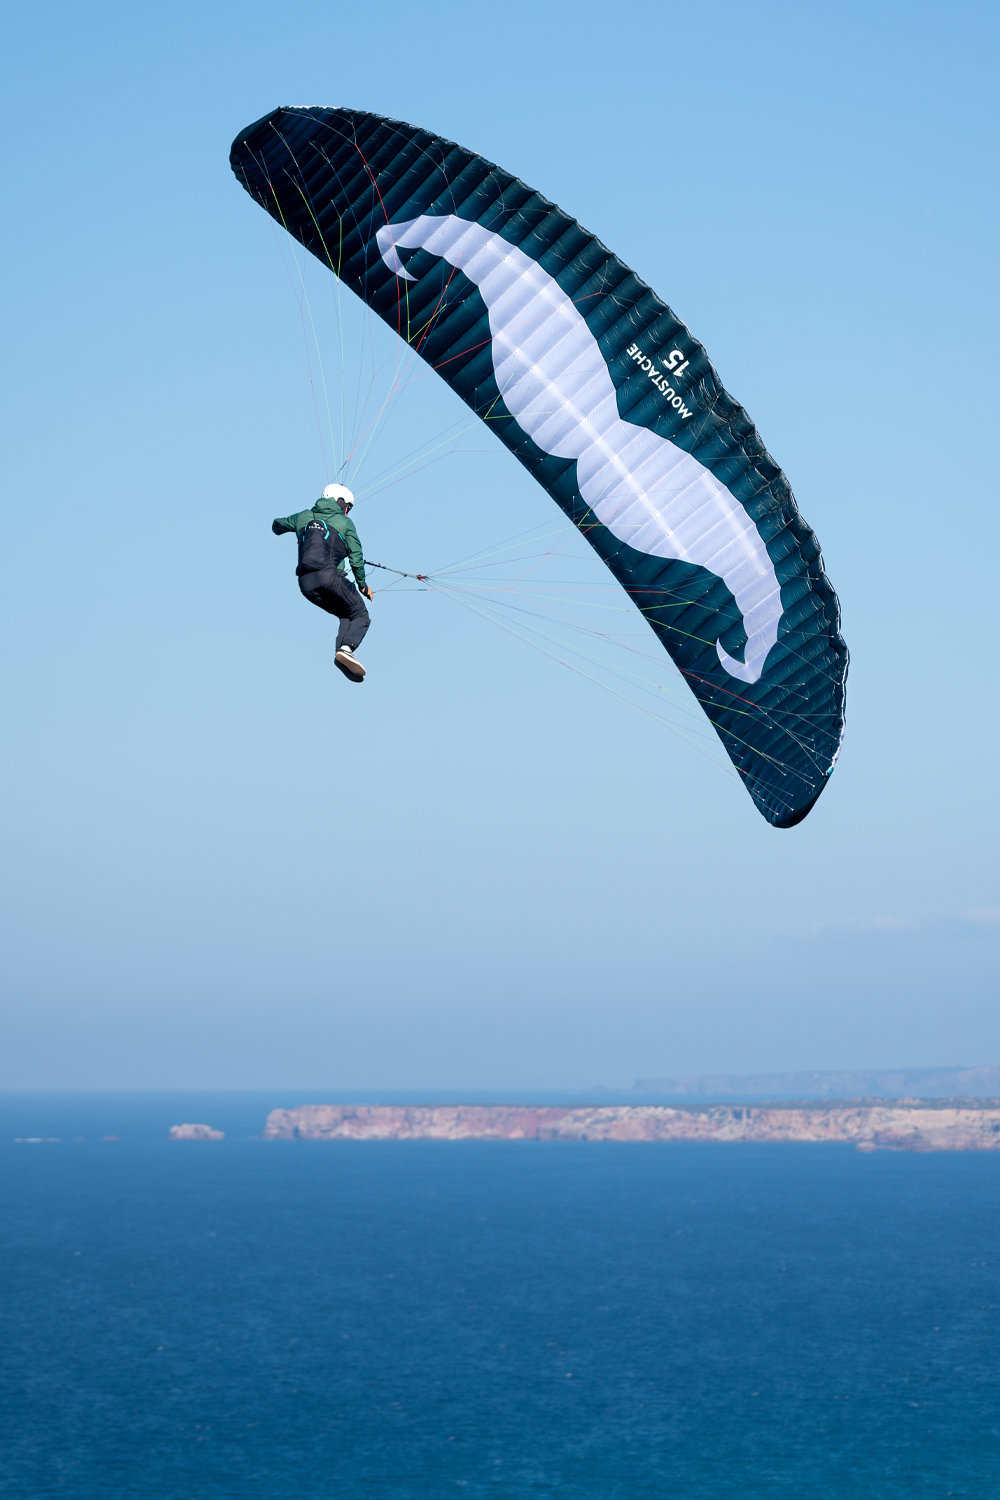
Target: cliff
x=909 y=1127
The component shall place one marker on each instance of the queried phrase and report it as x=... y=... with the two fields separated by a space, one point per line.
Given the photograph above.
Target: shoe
x=348 y=662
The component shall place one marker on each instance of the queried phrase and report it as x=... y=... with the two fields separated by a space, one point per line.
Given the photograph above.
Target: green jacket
x=330 y=512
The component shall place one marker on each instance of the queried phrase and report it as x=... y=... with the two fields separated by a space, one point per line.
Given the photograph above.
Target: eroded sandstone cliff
x=900 y=1127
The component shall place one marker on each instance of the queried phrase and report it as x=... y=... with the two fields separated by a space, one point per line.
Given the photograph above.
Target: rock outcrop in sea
x=196 y=1133
x=916 y=1126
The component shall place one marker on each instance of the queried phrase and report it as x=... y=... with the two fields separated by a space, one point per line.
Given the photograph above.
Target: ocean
x=418 y=1320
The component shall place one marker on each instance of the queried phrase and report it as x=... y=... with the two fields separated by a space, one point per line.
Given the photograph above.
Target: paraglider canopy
x=603 y=394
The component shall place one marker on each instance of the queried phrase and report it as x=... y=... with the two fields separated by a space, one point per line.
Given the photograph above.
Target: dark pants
x=334 y=592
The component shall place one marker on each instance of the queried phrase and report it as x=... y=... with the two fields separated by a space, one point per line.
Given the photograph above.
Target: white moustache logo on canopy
x=556 y=384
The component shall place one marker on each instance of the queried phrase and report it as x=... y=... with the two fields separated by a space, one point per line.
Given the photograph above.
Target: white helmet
x=339 y=492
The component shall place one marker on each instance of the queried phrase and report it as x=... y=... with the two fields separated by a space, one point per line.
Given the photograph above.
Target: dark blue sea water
x=411 y=1321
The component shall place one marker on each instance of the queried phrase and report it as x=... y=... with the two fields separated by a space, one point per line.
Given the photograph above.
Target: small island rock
x=196 y=1133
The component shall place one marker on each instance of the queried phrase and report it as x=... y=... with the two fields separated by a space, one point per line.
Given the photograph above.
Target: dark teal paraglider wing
x=602 y=393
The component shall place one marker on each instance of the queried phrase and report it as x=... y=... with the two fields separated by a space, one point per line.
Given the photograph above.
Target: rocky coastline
x=910 y=1125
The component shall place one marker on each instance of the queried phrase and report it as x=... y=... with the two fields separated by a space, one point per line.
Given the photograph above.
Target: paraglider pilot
x=327 y=540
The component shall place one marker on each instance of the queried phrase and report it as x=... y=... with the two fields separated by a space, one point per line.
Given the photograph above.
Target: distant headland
x=881 y=1083
x=908 y=1125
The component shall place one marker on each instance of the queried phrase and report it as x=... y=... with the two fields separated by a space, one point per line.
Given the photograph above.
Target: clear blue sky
x=225 y=867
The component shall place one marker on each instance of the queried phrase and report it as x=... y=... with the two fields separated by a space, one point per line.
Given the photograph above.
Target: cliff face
x=897 y=1128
